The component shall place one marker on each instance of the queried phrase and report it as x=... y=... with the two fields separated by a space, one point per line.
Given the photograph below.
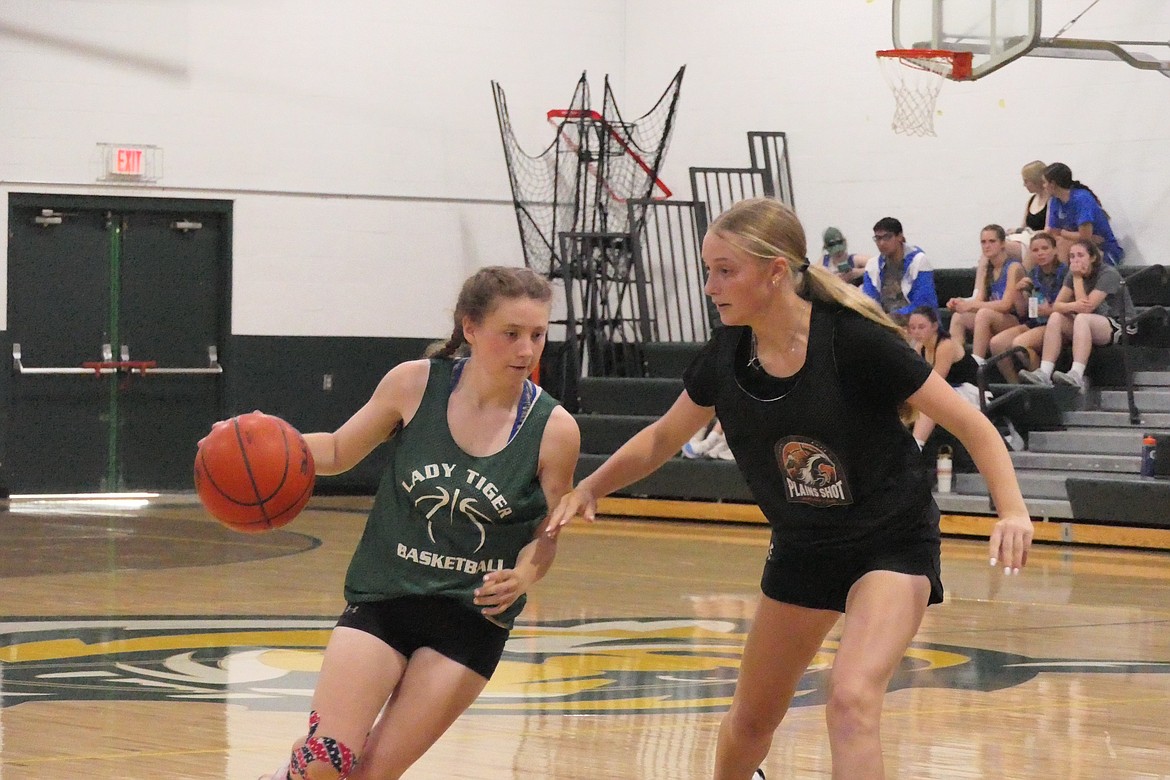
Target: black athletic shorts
x=823 y=581
x=1115 y=326
x=442 y=624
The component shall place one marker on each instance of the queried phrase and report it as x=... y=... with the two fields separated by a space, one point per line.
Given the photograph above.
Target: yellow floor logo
x=598 y=666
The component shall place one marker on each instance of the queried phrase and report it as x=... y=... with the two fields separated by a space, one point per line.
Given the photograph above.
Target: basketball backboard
x=995 y=32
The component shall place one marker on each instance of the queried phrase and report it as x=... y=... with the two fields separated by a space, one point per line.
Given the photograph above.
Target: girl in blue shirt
x=1075 y=213
x=1043 y=283
x=992 y=308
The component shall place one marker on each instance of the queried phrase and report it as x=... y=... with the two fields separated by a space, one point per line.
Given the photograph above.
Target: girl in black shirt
x=807 y=379
x=949 y=358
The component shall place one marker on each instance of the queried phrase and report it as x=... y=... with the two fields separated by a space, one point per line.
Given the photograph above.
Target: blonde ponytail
x=766 y=228
x=822 y=286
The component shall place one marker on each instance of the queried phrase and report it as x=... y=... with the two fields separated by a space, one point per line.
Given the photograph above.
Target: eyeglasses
x=880 y=237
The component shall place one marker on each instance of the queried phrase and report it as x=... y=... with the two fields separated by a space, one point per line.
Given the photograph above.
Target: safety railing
x=1154 y=271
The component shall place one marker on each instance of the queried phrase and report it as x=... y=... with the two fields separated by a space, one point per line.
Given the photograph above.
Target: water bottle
x=1034 y=304
x=945 y=469
x=1149 y=444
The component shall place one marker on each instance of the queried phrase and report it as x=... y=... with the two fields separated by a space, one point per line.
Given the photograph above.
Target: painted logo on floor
x=577 y=666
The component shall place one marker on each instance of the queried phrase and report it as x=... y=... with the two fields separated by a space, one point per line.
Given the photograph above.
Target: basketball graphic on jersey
x=812 y=473
x=466 y=506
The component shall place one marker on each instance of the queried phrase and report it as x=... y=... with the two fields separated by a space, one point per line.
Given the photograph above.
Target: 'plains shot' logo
x=812 y=473
x=651 y=665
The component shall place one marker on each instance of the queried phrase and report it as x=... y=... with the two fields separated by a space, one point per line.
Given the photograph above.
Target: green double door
x=113 y=281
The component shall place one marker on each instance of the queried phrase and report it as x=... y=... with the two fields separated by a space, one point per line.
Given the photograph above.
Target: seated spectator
x=1088 y=310
x=708 y=442
x=948 y=357
x=1019 y=240
x=1074 y=213
x=1042 y=285
x=837 y=258
x=992 y=307
x=900 y=280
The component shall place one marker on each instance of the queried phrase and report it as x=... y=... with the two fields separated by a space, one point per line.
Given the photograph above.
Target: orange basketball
x=254 y=472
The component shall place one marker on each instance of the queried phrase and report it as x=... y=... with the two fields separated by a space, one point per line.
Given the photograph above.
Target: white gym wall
x=809 y=69
x=359 y=141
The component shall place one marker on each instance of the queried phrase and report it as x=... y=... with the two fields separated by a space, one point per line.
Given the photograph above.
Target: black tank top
x=824 y=452
x=962 y=370
x=1038 y=220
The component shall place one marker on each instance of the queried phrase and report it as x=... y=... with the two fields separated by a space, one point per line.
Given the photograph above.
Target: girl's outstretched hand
x=1009 y=543
x=578 y=502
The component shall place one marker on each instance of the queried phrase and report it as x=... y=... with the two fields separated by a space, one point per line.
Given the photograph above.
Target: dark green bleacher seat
x=953 y=283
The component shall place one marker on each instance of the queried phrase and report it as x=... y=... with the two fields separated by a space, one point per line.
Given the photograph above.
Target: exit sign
x=129 y=163
x=126 y=161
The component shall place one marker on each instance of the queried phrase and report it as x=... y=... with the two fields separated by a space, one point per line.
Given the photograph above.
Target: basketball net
x=916 y=77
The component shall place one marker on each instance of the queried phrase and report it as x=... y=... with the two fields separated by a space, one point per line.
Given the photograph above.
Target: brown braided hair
x=482 y=293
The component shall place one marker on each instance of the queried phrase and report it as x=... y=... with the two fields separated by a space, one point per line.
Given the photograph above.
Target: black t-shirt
x=824 y=451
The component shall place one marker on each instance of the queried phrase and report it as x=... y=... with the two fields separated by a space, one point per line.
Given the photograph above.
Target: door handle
x=142 y=367
x=213 y=366
x=19 y=367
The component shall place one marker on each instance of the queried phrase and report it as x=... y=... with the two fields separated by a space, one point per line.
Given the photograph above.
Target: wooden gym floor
x=141 y=640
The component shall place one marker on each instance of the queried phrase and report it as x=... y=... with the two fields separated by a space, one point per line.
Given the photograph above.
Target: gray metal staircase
x=1073 y=461
x=1098 y=442
x=1147 y=400
x=1102 y=419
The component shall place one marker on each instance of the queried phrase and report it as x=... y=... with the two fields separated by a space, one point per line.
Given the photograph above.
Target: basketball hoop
x=916 y=77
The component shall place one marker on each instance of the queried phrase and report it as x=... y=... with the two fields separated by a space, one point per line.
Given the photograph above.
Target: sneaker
x=1015 y=442
x=720 y=451
x=1070 y=379
x=1036 y=377
x=700 y=444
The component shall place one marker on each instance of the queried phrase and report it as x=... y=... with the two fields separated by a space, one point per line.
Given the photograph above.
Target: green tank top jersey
x=442 y=518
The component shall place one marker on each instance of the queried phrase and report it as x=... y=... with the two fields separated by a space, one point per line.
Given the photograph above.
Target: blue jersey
x=1048 y=286
x=997 y=287
x=1082 y=208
